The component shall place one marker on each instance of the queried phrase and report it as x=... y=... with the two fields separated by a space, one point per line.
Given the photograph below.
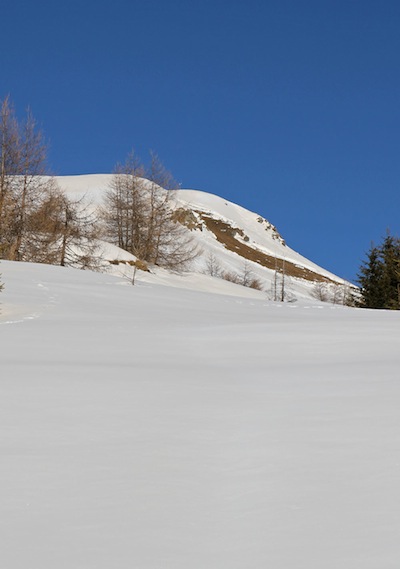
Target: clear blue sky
x=290 y=108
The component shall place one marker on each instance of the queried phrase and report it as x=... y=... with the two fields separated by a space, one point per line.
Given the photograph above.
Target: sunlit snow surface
x=153 y=427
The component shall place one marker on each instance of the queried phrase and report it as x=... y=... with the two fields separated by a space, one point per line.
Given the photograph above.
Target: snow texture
x=158 y=427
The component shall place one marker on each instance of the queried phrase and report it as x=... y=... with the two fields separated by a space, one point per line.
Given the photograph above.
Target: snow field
x=161 y=427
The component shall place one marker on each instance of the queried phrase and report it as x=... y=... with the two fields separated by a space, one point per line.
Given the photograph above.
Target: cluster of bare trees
x=244 y=278
x=334 y=293
x=38 y=222
x=281 y=285
x=138 y=215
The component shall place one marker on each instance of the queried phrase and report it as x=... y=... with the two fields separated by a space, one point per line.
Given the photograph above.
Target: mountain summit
x=235 y=245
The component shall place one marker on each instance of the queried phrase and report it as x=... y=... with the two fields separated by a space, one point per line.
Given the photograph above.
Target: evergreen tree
x=370 y=279
x=390 y=252
x=379 y=276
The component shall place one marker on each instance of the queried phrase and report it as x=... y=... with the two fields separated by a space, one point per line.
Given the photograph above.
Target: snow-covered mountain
x=231 y=237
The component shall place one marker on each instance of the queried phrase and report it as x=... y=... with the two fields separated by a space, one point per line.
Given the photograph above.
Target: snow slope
x=158 y=427
x=253 y=231
x=259 y=230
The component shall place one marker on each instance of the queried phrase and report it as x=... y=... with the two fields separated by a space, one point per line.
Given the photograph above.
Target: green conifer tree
x=370 y=280
x=390 y=252
x=379 y=276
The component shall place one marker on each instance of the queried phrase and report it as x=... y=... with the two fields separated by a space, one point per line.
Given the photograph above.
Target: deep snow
x=159 y=427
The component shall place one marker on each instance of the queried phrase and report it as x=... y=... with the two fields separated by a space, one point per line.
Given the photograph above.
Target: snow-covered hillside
x=161 y=427
x=228 y=233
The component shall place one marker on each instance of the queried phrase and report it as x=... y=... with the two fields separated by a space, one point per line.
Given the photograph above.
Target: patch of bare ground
x=226 y=234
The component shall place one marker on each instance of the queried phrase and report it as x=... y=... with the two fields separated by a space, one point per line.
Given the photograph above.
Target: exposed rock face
x=188 y=218
x=272 y=228
x=228 y=236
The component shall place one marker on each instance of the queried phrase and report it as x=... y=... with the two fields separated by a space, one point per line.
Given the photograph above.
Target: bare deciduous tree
x=138 y=215
x=125 y=205
x=246 y=278
x=23 y=183
x=66 y=232
x=334 y=293
x=213 y=266
x=278 y=285
x=8 y=168
x=320 y=291
x=29 y=185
